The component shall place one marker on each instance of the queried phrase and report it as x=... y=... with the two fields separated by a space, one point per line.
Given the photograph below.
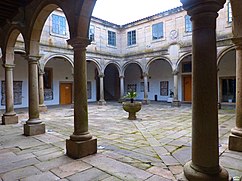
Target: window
x=17 y=93
x=188 y=24
x=131 y=37
x=229 y=13
x=157 y=31
x=164 y=88
x=132 y=87
x=91 y=33
x=111 y=38
x=186 y=67
x=58 y=24
x=48 y=78
x=228 y=89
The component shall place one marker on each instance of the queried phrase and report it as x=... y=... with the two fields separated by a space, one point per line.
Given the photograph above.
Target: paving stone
x=11 y=157
x=169 y=160
x=177 y=169
x=92 y=174
x=118 y=169
x=51 y=156
x=71 y=168
x=46 y=151
x=183 y=155
x=165 y=173
x=46 y=176
x=48 y=165
x=20 y=173
x=232 y=163
x=112 y=178
x=16 y=165
x=48 y=138
x=157 y=178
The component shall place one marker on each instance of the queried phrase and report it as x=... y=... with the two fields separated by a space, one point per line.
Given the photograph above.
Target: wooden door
x=65 y=93
x=187 y=84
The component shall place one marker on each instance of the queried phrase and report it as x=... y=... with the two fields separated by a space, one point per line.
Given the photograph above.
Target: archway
x=133 y=76
x=58 y=81
x=111 y=83
x=227 y=76
x=185 y=80
x=160 y=80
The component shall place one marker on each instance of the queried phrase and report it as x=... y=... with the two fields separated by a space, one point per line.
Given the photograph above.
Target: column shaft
x=235 y=138
x=205 y=153
x=9 y=117
x=175 y=101
x=145 y=77
x=42 y=107
x=101 y=101
x=121 y=87
x=81 y=142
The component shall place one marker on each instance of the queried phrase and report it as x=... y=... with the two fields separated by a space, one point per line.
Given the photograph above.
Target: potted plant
x=132 y=107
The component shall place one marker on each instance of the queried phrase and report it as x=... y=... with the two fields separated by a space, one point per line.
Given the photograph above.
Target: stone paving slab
x=157 y=145
x=116 y=168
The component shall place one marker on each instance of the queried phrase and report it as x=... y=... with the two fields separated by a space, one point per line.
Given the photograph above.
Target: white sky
x=125 y=11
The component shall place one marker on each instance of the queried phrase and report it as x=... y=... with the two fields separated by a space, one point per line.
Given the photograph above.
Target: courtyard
x=153 y=147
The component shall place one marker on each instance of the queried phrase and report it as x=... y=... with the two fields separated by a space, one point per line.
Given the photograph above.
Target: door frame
x=72 y=90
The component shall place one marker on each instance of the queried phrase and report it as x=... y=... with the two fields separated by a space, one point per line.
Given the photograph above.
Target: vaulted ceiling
x=9 y=8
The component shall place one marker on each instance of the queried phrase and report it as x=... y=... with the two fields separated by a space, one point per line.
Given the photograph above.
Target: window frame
x=156 y=33
x=112 y=38
x=188 y=24
x=131 y=38
x=59 y=26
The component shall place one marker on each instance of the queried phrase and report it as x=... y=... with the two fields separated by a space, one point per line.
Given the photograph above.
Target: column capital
x=101 y=75
x=195 y=7
x=32 y=58
x=121 y=76
x=79 y=42
x=145 y=74
x=175 y=72
x=238 y=42
x=8 y=66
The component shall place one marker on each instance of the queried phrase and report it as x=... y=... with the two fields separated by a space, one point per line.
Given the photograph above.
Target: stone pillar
x=81 y=142
x=102 y=100
x=34 y=125
x=42 y=106
x=205 y=154
x=235 y=138
x=175 y=102
x=146 y=100
x=122 y=99
x=9 y=117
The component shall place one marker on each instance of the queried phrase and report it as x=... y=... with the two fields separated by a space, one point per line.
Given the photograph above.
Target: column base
x=9 y=119
x=102 y=102
x=79 y=149
x=43 y=108
x=193 y=175
x=235 y=142
x=176 y=103
x=145 y=101
x=34 y=129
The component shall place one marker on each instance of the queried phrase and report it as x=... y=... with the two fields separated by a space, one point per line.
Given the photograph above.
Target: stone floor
x=154 y=147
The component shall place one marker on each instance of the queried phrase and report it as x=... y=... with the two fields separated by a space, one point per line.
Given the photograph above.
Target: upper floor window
x=229 y=13
x=188 y=24
x=131 y=37
x=157 y=31
x=91 y=33
x=111 y=38
x=58 y=24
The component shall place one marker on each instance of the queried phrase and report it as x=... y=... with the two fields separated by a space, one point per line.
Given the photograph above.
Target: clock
x=173 y=34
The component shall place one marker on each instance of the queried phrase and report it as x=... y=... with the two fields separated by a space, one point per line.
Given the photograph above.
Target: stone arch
x=181 y=58
x=223 y=52
x=116 y=65
x=10 y=43
x=132 y=62
x=97 y=64
x=157 y=58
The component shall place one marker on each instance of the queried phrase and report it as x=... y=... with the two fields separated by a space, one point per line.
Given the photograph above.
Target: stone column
x=205 y=154
x=145 y=77
x=81 y=142
x=9 y=117
x=42 y=106
x=34 y=125
x=102 y=100
x=235 y=138
x=175 y=102
x=121 y=88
